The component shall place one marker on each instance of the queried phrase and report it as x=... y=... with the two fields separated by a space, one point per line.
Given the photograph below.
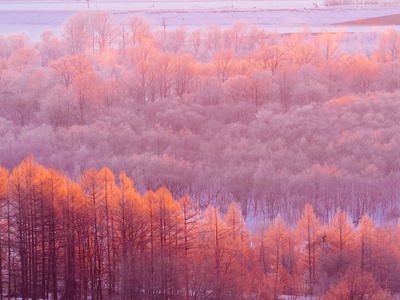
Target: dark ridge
x=377 y=21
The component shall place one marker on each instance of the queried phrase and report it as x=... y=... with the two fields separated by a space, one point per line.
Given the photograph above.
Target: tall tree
x=91 y=185
x=309 y=229
x=191 y=225
x=3 y=223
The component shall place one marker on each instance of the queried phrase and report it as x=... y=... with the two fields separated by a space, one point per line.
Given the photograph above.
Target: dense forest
x=269 y=121
x=97 y=238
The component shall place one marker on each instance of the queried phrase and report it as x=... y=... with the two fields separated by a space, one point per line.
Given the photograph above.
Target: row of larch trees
x=99 y=239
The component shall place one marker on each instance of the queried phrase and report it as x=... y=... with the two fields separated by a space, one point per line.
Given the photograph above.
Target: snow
x=286 y=16
x=157 y=5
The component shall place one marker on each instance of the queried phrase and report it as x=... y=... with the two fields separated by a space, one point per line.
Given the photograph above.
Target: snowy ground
x=157 y=4
x=282 y=16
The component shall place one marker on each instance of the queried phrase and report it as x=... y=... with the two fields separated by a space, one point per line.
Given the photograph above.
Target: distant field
x=287 y=16
x=155 y=5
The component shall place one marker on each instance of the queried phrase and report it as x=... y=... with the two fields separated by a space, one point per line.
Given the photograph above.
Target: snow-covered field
x=157 y=4
x=284 y=16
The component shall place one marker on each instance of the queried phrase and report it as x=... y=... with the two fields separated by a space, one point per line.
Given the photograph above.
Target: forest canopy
x=220 y=114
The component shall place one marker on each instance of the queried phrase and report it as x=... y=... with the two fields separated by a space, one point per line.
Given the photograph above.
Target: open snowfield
x=33 y=17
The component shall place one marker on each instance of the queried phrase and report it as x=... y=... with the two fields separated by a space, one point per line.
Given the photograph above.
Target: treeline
x=98 y=238
x=270 y=121
x=359 y=2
